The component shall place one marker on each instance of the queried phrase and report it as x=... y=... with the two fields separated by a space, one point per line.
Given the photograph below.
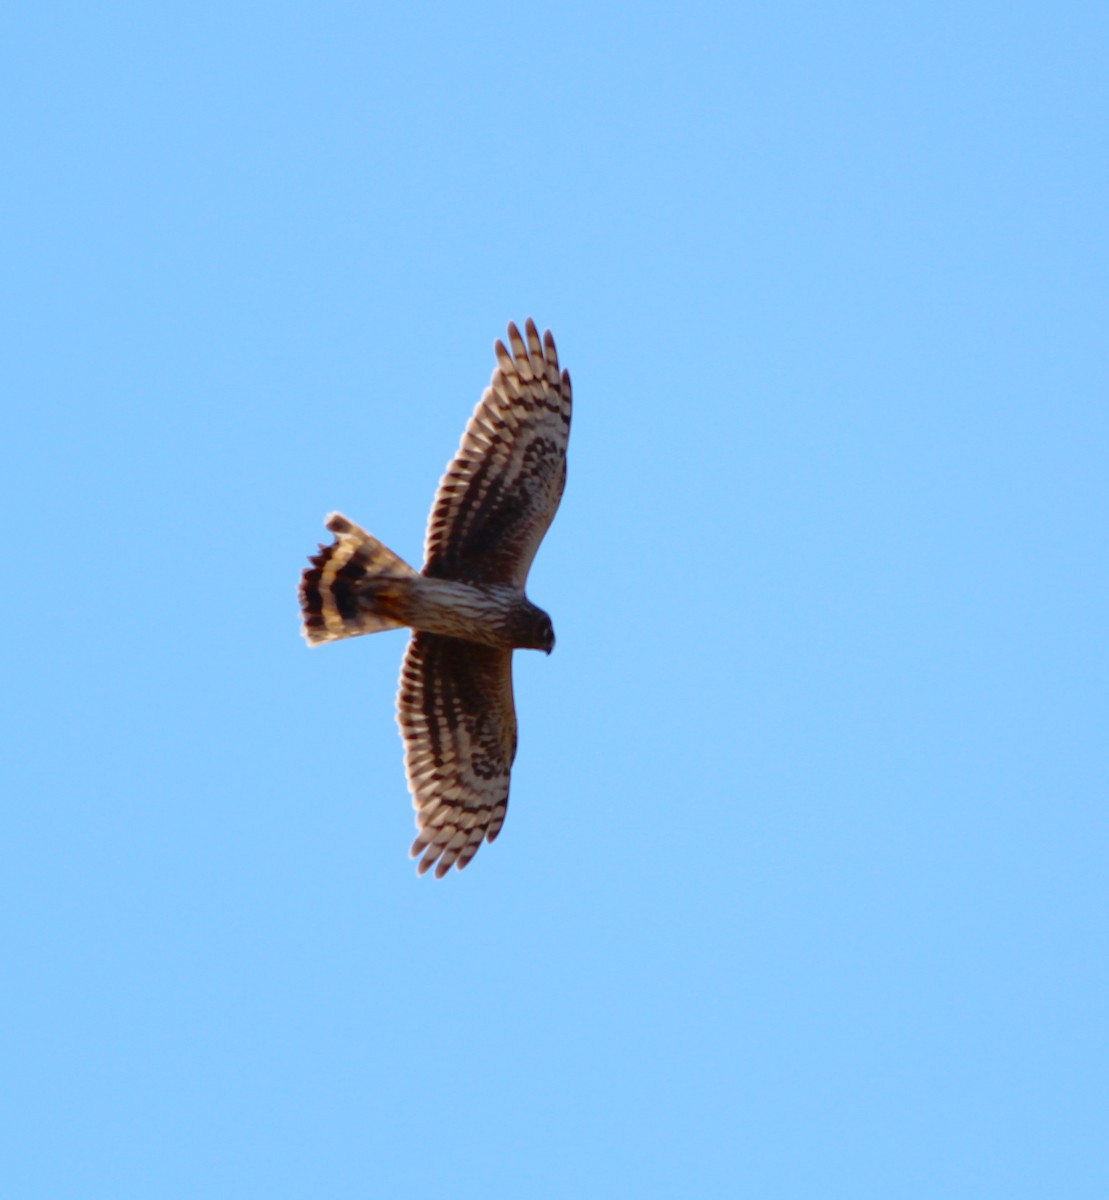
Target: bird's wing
x=458 y=721
x=500 y=492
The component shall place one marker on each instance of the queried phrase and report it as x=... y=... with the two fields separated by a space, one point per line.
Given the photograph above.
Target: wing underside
x=458 y=720
x=502 y=489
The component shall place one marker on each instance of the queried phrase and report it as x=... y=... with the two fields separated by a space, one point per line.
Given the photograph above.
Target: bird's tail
x=350 y=585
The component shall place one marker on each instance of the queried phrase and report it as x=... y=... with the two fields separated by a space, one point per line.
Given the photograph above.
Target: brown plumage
x=467 y=607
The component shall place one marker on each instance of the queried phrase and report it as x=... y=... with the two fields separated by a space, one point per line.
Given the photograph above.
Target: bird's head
x=538 y=632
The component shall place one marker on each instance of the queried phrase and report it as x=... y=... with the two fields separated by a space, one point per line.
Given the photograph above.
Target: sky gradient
x=803 y=890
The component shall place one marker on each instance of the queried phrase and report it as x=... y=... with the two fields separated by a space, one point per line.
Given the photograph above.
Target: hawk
x=466 y=607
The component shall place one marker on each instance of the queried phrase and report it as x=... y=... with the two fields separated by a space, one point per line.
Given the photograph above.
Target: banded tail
x=346 y=590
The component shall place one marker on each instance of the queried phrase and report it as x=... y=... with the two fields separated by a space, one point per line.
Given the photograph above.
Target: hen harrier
x=467 y=607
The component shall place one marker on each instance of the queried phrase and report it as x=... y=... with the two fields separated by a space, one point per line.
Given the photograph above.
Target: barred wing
x=502 y=489
x=458 y=721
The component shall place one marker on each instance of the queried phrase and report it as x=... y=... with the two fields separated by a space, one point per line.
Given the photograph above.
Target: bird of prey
x=466 y=607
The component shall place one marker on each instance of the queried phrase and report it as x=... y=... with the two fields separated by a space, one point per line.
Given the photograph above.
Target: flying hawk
x=467 y=608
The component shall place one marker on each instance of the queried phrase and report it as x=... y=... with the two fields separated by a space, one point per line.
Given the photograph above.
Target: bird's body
x=490 y=614
x=467 y=607
x=360 y=595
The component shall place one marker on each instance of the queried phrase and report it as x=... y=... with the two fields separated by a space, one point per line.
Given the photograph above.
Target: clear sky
x=803 y=888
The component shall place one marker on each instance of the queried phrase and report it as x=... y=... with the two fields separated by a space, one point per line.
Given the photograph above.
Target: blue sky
x=802 y=891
